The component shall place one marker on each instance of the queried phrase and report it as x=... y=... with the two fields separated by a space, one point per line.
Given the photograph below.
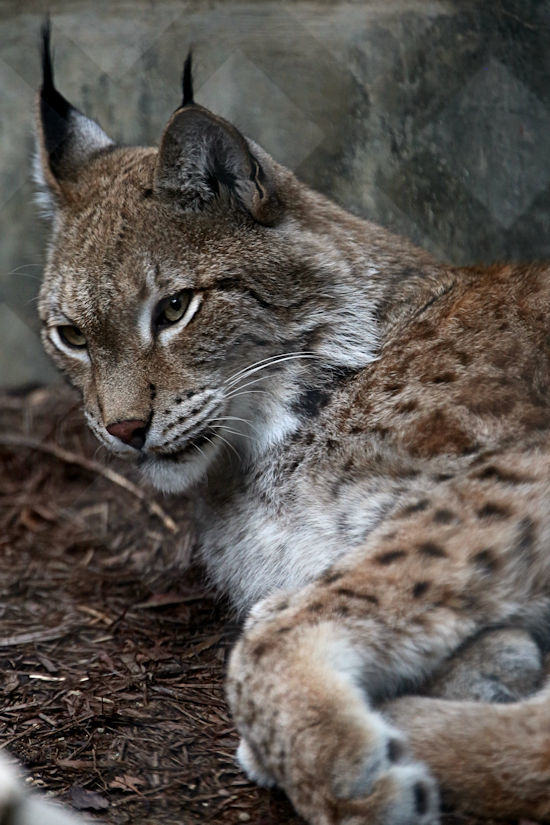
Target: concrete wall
x=429 y=116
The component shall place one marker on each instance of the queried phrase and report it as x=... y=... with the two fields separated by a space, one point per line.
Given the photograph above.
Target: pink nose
x=130 y=432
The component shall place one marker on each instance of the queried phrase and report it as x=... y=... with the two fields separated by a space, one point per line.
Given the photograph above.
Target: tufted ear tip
x=187 y=81
x=66 y=138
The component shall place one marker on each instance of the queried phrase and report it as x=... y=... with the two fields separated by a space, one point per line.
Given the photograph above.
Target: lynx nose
x=130 y=432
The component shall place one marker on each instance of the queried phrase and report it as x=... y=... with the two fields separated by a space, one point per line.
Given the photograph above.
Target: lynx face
x=156 y=319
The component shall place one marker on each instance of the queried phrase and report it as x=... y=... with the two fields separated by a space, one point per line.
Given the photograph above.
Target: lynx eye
x=172 y=309
x=72 y=336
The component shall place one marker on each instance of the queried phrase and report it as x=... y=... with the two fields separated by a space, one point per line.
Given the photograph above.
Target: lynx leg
x=309 y=728
x=489 y=758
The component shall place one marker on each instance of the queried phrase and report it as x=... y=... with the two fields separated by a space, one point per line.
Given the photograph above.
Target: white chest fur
x=253 y=544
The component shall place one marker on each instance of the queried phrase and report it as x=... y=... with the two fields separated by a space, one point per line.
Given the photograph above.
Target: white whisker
x=217 y=427
x=233 y=418
x=247 y=392
x=249 y=384
x=196 y=446
x=276 y=360
x=225 y=441
x=261 y=361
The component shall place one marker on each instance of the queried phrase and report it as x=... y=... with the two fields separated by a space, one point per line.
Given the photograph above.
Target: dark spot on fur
x=434 y=551
x=282 y=605
x=492 y=473
x=147 y=193
x=283 y=630
x=395 y=750
x=353 y=594
x=342 y=610
x=443 y=476
x=463 y=357
x=420 y=799
x=423 y=329
x=309 y=439
x=444 y=378
x=152 y=391
x=407 y=407
x=331 y=576
x=311 y=402
x=417 y=507
x=393 y=389
x=492 y=510
x=348 y=466
x=190 y=393
x=390 y=556
x=485 y=561
x=261 y=649
x=443 y=516
x=178 y=400
x=419 y=589
x=315 y=607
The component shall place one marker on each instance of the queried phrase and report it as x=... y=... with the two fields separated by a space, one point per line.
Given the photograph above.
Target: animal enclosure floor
x=112 y=651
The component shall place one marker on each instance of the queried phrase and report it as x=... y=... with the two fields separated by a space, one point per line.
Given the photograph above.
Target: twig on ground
x=94 y=467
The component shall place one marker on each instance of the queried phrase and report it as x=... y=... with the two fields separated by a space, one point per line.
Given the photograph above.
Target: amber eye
x=72 y=336
x=171 y=310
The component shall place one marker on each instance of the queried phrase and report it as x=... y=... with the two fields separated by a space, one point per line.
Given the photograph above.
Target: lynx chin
x=364 y=432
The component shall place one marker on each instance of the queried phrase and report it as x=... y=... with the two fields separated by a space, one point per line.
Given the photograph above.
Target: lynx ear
x=202 y=157
x=66 y=138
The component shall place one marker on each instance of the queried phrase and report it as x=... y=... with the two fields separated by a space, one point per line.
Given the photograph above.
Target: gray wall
x=431 y=117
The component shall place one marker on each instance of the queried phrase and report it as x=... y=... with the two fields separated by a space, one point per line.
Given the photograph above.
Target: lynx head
x=186 y=292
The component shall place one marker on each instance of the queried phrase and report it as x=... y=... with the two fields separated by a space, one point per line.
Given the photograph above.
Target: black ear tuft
x=66 y=139
x=54 y=108
x=187 y=81
x=47 y=70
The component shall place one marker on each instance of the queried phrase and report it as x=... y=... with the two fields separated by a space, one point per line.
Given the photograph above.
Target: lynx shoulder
x=365 y=434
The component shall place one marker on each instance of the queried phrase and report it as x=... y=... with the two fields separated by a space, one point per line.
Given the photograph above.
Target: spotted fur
x=365 y=434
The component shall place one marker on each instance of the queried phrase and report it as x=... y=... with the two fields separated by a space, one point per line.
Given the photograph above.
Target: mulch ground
x=112 y=651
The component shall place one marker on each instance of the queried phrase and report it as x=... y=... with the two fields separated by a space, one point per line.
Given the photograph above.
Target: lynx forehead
x=364 y=433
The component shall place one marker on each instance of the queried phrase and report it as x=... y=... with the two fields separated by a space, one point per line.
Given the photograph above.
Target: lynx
x=364 y=432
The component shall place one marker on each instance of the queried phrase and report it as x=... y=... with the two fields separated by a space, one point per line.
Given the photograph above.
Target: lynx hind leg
x=307 y=727
x=499 y=665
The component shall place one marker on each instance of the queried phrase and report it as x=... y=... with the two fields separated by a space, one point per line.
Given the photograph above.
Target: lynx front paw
x=373 y=781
